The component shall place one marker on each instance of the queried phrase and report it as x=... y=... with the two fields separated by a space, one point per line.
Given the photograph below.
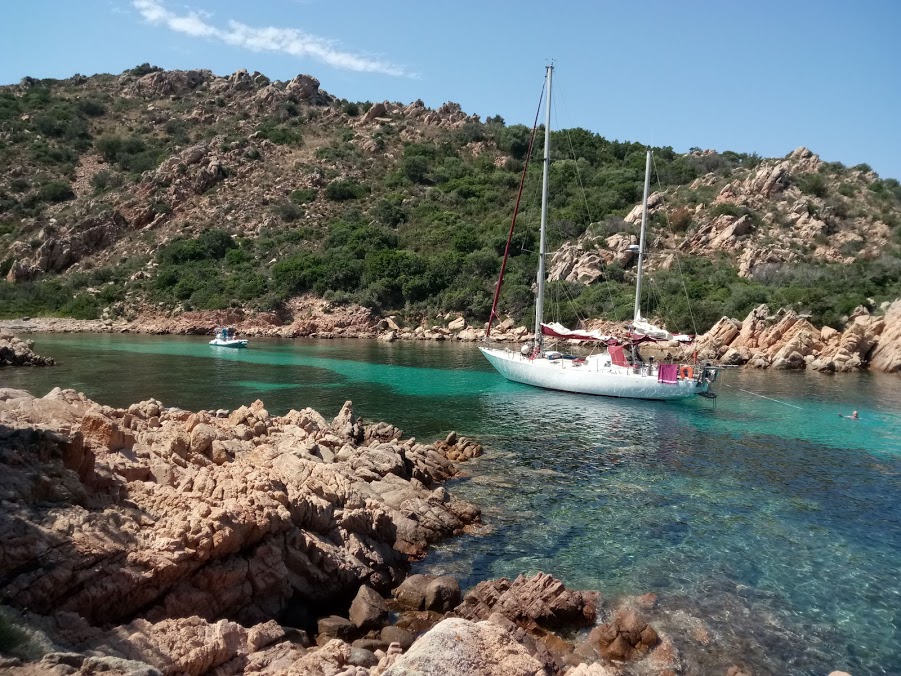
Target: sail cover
x=635 y=337
x=642 y=328
x=559 y=331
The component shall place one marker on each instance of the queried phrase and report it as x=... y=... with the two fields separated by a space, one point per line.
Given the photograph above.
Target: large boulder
x=625 y=637
x=541 y=600
x=412 y=591
x=442 y=594
x=368 y=610
x=458 y=647
x=887 y=354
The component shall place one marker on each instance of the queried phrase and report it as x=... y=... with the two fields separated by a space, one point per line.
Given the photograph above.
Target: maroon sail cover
x=616 y=354
x=668 y=373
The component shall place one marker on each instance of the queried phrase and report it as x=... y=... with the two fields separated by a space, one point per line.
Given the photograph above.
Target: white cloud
x=265 y=39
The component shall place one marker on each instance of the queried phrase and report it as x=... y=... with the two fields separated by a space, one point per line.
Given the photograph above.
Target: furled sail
x=644 y=328
x=556 y=330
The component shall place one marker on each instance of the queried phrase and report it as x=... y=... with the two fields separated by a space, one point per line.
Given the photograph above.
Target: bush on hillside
x=303 y=195
x=280 y=134
x=55 y=191
x=209 y=245
x=342 y=190
x=813 y=184
x=143 y=69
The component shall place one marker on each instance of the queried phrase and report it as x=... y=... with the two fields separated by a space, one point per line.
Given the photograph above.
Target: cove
x=777 y=524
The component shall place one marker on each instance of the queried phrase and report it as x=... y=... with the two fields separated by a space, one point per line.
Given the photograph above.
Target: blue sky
x=751 y=76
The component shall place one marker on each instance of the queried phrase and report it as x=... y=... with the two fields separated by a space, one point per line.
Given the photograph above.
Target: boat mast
x=644 y=225
x=539 y=301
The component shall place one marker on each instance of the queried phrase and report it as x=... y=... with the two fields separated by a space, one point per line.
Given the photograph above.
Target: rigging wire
x=500 y=279
x=584 y=196
x=676 y=253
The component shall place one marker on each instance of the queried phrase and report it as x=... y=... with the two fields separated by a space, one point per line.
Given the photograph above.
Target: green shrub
x=280 y=134
x=143 y=69
x=209 y=245
x=390 y=210
x=130 y=153
x=415 y=168
x=342 y=190
x=288 y=212
x=91 y=107
x=82 y=306
x=727 y=209
x=681 y=219
x=61 y=121
x=304 y=195
x=61 y=156
x=813 y=184
x=105 y=179
x=9 y=106
x=55 y=191
x=14 y=641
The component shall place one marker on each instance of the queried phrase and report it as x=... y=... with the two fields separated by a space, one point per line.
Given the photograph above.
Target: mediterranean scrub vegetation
x=395 y=214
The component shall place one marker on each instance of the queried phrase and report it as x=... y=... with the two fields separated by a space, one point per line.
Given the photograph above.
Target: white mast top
x=644 y=225
x=539 y=300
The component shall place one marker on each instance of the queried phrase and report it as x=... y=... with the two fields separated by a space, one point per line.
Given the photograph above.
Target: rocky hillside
x=156 y=192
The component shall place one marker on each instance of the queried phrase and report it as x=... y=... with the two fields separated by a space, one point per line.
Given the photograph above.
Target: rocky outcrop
x=625 y=637
x=305 y=88
x=63 y=246
x=539 y=601
x=17 y=352
x=164 y=83
x=585 y=260
x=887 y=352
x=173 y=513
x=428 y=592
x=655 y=202
x=153 y=540
x=786 y=340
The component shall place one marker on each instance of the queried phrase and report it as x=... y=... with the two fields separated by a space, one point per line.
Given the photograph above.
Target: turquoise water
x=778 y=524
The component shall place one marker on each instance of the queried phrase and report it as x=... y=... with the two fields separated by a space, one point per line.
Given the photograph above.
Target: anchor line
x=778 y=401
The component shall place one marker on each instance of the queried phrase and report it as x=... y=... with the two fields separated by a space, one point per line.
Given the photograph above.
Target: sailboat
x=607 y=373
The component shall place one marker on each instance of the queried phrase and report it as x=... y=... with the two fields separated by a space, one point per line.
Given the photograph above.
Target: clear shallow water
x=779 y=525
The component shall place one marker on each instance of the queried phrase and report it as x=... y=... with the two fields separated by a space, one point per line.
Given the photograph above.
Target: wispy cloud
x=265 y=39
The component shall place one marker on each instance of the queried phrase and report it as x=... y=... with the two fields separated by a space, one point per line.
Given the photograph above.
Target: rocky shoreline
x=786 y=340
x=764 y=339
x=154 y=540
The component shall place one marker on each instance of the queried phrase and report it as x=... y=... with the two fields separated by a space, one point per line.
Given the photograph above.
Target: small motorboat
x=225 y=337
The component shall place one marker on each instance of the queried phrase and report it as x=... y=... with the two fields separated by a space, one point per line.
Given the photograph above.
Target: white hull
x=590 y=377
x=228 y=343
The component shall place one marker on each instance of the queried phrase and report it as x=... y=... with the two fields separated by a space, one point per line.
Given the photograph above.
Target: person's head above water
x=854 y=415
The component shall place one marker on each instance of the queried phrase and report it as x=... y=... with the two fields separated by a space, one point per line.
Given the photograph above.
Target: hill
x=155 y=191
